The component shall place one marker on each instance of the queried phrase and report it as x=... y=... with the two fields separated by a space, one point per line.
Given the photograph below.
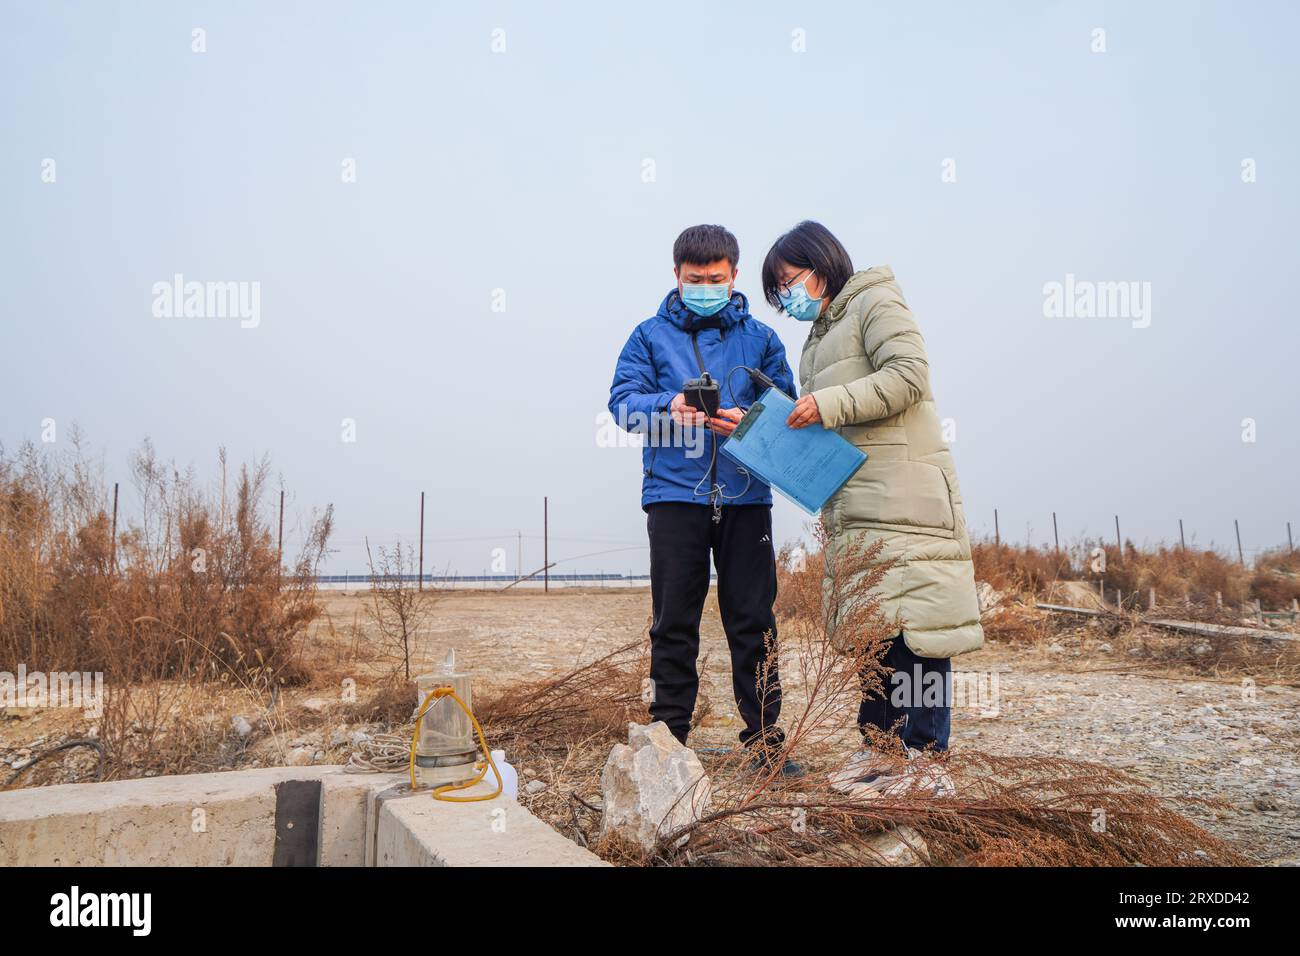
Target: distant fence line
x=473 y=578
x=1182 y=538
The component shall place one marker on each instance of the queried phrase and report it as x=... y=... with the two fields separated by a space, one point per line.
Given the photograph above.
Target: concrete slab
x=206 y=819
x=343 y=817
x=416 y=830
x=229 y=819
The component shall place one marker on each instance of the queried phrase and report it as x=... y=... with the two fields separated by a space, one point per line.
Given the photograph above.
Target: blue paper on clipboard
x=806 y=465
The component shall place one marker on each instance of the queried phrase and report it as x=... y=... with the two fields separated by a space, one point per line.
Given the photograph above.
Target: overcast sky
x=456 y=213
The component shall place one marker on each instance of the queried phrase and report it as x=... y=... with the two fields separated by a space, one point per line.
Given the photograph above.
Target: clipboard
x=806 y=465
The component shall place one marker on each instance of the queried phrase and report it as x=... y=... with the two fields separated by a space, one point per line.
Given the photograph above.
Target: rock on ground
x=652 y=786
x=901 y=846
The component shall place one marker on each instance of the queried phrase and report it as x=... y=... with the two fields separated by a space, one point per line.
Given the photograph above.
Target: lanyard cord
x=717 y=492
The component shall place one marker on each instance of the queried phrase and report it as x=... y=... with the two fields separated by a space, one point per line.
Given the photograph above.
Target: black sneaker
x=763 y=762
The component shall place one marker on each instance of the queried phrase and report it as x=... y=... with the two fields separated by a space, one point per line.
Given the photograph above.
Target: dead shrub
x=1276 y=581
x=1013 y=624
x=392 y=702
x=1015 y=569
x=189 y=600
x=592 y=702
x=397 y=609
x=1192 y=577
x=192 y=589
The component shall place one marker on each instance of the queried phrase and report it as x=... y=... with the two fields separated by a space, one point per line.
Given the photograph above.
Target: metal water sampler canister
x=446 y=748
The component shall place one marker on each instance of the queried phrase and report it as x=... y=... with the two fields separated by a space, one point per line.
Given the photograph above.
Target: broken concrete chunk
x=652 y=786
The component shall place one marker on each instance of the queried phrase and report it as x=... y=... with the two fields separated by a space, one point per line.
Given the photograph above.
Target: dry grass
x=1181 y=576
x=190 y=598
x=1190 y=585
x=1013 y=623
x=1276 y=582
x=595 y=700
x=192 y=587
x=1008 y=811
x=1021 y=569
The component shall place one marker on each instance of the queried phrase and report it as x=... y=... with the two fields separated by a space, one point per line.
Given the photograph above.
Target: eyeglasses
x=784 y=287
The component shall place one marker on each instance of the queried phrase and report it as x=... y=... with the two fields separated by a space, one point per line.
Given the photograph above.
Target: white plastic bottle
x=509 y=776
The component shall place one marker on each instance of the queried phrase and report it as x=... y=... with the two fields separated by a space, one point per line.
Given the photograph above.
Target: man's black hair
x=809 y=245
x=702 y=245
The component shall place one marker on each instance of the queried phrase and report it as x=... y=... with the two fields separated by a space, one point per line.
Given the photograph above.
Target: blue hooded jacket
x=657 y=359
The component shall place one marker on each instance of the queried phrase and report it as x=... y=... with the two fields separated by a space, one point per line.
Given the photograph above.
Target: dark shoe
x=763 y=762
x=791 y=770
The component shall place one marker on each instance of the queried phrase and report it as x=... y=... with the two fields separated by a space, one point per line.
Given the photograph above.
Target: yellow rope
x=440 y=793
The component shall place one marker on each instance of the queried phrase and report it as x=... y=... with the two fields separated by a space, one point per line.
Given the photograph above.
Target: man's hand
x=727 y=420
x=805 y=413
x=684 y=414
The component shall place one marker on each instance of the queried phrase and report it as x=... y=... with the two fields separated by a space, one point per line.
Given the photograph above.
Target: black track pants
x=682 y=535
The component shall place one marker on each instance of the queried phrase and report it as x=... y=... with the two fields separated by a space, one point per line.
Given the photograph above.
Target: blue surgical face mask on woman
x=798 y=304
x=706 y=298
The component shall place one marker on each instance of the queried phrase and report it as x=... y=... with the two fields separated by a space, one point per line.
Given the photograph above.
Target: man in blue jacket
x=698 y=501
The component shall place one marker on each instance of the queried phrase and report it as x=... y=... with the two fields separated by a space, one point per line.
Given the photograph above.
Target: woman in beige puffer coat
x=864 y=373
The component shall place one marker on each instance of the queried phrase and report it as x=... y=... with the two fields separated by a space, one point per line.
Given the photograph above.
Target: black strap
x=699 y=357
x=713 y=440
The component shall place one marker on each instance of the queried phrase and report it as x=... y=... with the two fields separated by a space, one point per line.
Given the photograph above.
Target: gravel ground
x=1084 y=695
x=1185 y=736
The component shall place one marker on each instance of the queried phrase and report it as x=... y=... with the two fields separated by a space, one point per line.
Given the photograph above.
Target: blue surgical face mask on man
x=706 y=299
x=798 y=304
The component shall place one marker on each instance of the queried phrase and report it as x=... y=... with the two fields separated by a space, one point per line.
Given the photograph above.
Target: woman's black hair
x=809 y=245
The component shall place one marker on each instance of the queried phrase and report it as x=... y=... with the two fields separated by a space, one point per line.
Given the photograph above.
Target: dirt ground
x=1084 y=695
x=1187 y=729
